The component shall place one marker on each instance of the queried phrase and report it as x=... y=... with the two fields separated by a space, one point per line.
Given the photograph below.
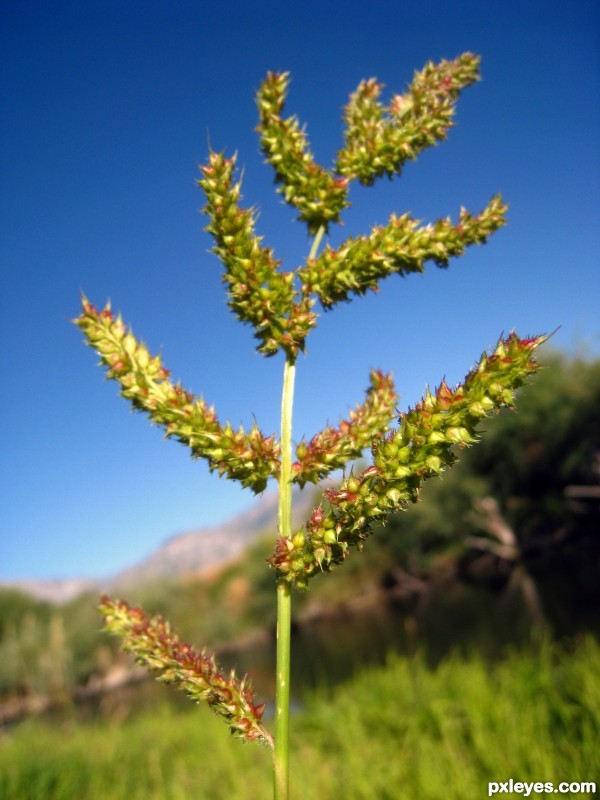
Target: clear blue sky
x=107 y=110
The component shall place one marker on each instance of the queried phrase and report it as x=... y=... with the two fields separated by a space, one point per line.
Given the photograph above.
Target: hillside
x=181 y=555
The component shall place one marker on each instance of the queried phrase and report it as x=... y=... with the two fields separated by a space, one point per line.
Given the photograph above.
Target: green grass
x=400 y=732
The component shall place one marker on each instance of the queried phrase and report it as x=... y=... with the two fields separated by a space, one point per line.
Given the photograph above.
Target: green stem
x=284 y=597
x=316 y=242
x=281 y=753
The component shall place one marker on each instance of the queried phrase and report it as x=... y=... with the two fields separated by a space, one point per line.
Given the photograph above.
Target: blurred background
x=469 y=620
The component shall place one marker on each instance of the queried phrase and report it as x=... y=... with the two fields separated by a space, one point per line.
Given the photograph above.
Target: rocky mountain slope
x=182 y=554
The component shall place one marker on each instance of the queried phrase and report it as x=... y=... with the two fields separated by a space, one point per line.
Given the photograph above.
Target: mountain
x=183 y=554
x=53 y=590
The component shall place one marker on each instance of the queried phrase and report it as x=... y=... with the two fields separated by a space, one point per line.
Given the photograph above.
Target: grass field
x=401 y=732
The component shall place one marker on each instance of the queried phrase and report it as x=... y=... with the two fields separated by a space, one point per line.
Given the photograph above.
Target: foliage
x=15 y=604
x=32 y=653
x=544 y=707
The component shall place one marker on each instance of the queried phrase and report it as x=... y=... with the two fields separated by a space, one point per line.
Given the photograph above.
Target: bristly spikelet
x=332 y=448
x=379 y=140
x=259 y=294
x=252 y=458
x=421 y=447
x=398 y=248
x=319 y=195
x=154 y=644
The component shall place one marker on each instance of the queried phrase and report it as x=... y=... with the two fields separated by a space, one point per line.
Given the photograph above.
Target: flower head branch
x=319 y=196
x=259 y=294
x=379 y=140
x=155 y=645
x=400 y=247
x=421 y=447
x=251 y=458
x=332 y=448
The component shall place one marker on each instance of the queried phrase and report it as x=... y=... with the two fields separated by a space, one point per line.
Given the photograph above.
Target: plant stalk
x=284 y=596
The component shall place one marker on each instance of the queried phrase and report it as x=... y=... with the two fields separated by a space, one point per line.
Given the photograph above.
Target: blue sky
x=108 y=109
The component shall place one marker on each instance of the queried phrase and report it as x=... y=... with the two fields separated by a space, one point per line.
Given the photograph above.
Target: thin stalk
x=284 y=597
x=316 y=242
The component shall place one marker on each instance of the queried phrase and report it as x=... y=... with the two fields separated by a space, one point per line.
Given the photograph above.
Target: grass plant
x=280 y=308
